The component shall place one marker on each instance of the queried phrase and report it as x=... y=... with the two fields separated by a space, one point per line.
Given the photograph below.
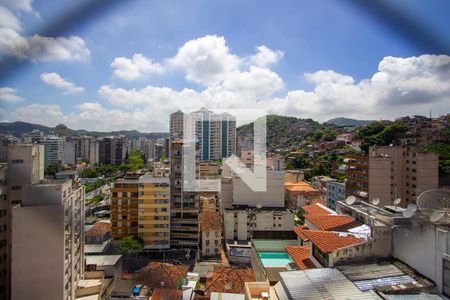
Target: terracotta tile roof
x=328 y=241
x=229 y=280
x=299 y=187
x=155 y=272
x=299 y=231
x=332 y=222
x=210 y=221
x=300 y=255
x=315 y=209
x=99 y=229
x=167 y=294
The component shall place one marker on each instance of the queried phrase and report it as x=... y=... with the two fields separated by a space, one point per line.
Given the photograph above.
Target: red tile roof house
x=330 y=242
x=229 y=280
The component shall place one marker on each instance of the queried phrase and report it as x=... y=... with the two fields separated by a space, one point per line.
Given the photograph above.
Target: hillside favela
x=224 y=150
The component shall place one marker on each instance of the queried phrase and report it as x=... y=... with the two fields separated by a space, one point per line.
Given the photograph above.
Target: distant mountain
x=348 y=122
x=19 y=128
x=282 y=131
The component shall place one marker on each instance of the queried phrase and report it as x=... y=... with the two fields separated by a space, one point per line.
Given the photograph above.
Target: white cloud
x=257 y=83
x=54 y=79
x=135 y=68
x=40 y=48
x=399 y=87
x=24 y=5
x=206 y=60
x=8 y=94
x=265 y=56
x=8 y=20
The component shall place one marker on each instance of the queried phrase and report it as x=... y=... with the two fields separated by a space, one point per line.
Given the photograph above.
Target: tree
x=130 y=243
x=52 y=169
x=300 y=216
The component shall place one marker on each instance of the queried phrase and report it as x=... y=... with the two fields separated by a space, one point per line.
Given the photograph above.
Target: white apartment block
x=48 y=242
x=54 y=150
x=246 y=224
x=70 y=157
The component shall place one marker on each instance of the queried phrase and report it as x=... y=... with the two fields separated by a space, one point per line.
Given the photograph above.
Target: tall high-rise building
x=70 y=157
x=54 y=150
x=112 y=150
x=184 y=205
x=392 y=172
x=5 y=141
x=215 y=133
x=25 y=168
x=176 y=124
x=140 y=206
x=49 y=223
x=61 y=130
x=124 y=207
x=149 y=149
x=84 y=146
x=3 y=232
x=154 y=212
x=94 y=150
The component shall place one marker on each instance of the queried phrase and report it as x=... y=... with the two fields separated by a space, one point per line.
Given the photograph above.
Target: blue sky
x=318 y=59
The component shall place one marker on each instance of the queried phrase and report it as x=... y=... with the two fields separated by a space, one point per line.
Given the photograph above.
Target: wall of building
x=272 y=197
x=211 y=243
x=423 y=246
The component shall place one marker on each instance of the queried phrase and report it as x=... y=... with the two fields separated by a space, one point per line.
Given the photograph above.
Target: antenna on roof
x=350 y=200
x=375 y=201
x=408 y=213
x=435 y=204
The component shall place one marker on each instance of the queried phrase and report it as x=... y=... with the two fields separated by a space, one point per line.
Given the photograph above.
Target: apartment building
x=215 y=133
x=149 y=149
x=124 y=207
x=154 y=212
x=335 y=193
x=61 y=130
x=54 y=150
x=50 y=223
x=392 y=172
x=246 y=224
x=94 y=151
x=3 y=231
x=184 y=205
x=112 y=150
x=211 y=233
x=176 y=124
x=70 y=156
x=5 y=142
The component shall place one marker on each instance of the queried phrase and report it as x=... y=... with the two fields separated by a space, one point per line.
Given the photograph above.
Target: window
x=16 y=188
x=17 y=161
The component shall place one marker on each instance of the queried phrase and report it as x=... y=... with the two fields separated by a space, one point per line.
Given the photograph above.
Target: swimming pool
x=274 y=259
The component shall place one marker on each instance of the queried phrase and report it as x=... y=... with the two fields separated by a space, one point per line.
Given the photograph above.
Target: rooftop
x=332 y=222
x=317 y=209
x=156 y=273
x=229 y=280
x=102 y=260
x=167 y=294
x=210 y=221
x=329 y=241
x=98 y=229
x=300 y=186
x=301 y=256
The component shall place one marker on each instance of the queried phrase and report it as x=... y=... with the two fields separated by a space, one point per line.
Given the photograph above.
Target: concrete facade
x=335 y=193
x=50 y=221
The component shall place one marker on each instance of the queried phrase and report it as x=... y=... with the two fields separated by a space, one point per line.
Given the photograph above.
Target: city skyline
x=290 y=62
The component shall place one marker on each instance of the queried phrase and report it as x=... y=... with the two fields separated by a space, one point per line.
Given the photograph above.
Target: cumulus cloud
x=135 y=68
x=36 y=47
x=8 y=20
x=206 y=60
x=54 y=79
x=8 y=94
x=265 y=56
x=399 y=87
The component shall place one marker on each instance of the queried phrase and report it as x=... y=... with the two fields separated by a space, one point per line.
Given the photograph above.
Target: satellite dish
x=375 y=201
x=407 y=213
x=350 y=200
x=397 y=201
x=412 y=207
x=437 y=215
x=259 y=206
x=435 y=204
